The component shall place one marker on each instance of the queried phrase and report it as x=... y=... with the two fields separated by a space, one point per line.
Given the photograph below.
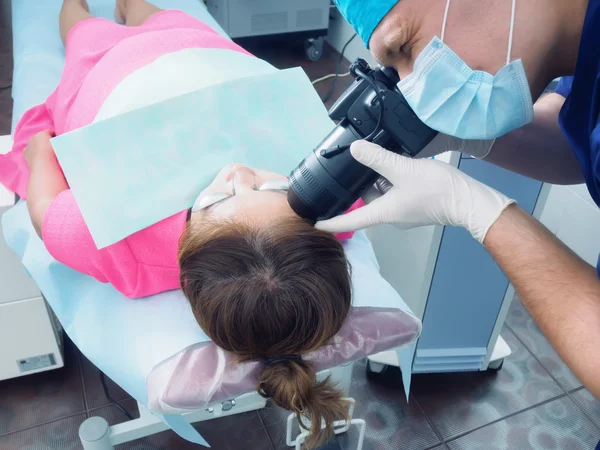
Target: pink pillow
x=205 y=374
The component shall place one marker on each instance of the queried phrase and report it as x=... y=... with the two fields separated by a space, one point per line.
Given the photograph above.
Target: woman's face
x=255 y=207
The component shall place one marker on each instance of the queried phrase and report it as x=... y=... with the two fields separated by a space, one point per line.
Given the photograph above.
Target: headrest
x=365 y=15
x=155 y=350
x=206 y=374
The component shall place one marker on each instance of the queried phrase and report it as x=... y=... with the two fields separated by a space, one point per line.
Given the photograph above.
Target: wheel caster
x=495 y=366
x=314 y=48
x=373 y=367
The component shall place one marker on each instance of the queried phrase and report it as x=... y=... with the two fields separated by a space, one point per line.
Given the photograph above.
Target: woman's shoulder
x=157 y=245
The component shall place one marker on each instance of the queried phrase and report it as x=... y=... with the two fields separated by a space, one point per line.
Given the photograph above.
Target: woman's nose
x=244 y=179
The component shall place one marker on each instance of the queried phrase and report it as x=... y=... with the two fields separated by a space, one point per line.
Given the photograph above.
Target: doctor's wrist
x=486 y=207
x=498 y=227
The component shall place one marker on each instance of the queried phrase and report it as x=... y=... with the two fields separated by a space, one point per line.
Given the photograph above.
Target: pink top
x=99 y=55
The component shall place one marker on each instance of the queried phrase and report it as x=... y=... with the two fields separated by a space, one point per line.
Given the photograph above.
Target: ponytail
x=292 y=385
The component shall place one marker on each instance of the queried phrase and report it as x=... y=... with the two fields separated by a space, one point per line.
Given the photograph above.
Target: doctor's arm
x=46 y=179
x=560 y=290
x=538 y=150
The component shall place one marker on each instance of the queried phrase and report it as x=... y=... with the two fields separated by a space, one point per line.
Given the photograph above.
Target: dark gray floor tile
x=5 y=43
x=556 y=425
x=380 y=401
x=460 y=402
x=6 y=69
x=277 y=434
x=525 y=328
x=6 y=104
x=113 y=415
x=43 y=397
x=589 y=403
x=59 y=435
x=242 y=431
x=272 y=414
x=5 y=13
x=93 y=388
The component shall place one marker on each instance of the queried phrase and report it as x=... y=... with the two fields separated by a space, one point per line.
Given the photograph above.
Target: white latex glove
x=478 y=148
x=424 y=192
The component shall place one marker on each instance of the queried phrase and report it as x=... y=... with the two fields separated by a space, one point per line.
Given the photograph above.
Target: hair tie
x=270 y=362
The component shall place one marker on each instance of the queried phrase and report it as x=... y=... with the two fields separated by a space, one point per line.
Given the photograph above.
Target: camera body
x=329 y=180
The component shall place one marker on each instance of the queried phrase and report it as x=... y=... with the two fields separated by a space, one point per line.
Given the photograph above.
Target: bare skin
x=478 y=30
x=560 y=290
x=131 y=13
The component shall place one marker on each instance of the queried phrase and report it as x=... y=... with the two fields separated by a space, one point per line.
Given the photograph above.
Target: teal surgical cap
x=365 y=15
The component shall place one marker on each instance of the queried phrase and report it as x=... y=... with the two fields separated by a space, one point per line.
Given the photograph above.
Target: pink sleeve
x=143 y=264
x=14 y=172
x=69 y=241
x=348 y=234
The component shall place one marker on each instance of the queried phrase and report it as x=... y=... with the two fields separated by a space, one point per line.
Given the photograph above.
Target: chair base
x=96 y=434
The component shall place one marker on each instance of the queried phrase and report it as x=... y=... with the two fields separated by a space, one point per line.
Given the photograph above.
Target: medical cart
x=452 y=283
x=275 y=19
x=31 y=338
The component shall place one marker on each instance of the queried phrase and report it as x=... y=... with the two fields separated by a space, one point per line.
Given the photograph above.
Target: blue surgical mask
x=450 y=97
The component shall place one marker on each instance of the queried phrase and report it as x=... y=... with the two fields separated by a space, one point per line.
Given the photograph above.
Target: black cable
x=114 y=402
x=337 y=69
x=333 y=151
x=381 y=107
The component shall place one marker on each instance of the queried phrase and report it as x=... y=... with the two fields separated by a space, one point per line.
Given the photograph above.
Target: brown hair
x=267 y=292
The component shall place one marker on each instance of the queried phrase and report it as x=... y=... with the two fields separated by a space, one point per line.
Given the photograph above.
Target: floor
x=534 y=402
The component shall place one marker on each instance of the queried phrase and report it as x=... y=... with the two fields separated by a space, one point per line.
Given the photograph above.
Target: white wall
x=339 y=33
x=571 y=214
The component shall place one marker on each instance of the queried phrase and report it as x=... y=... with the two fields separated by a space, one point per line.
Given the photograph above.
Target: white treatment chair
x=163 y=402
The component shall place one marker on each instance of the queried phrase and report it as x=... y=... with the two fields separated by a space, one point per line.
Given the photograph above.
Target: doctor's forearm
x=539 y=150
x=560 y=290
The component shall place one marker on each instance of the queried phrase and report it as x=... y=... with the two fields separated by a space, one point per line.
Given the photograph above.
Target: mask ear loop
x=511 y=31
x=445 y=19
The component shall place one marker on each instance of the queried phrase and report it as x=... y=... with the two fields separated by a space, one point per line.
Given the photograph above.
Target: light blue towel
x=126 y=338
x=148 y=164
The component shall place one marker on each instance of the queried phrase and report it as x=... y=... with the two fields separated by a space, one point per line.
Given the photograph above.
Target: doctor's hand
x=424 y=192
x=442 y=143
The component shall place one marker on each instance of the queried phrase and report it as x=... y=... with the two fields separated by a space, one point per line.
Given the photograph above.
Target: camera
x=329 y=180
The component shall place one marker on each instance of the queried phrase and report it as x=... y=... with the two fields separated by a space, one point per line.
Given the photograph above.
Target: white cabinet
x=30 y=336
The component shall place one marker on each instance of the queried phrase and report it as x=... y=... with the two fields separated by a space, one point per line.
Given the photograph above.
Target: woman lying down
x=262 y=283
